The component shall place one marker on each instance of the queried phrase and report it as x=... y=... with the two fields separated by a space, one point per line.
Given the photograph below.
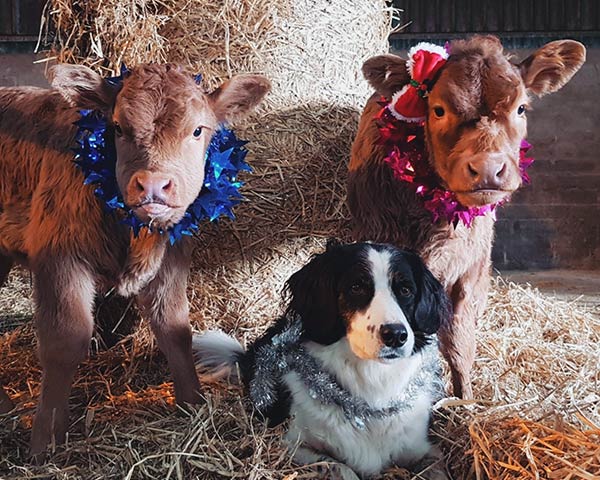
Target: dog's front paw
x=336 y=471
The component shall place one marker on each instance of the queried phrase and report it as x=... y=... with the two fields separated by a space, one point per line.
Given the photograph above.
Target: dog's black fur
x=321 y=295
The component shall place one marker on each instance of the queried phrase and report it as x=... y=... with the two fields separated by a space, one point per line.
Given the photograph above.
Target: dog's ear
x=312 y=295
x=433 y=307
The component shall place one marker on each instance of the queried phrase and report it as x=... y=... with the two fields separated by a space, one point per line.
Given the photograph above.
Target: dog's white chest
x=400 y=438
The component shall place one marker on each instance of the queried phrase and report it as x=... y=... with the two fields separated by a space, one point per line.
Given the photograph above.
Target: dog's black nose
x=393 y=334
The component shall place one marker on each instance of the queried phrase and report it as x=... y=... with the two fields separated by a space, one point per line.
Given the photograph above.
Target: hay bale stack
x=310 y=49
x=104 y=34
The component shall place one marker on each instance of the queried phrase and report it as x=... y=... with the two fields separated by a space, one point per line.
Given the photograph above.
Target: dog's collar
x=406 y=155
x=96 y=157
x=285 y=353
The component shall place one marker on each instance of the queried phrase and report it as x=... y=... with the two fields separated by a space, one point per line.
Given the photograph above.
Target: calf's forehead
x=169 y=102
x=474 y=86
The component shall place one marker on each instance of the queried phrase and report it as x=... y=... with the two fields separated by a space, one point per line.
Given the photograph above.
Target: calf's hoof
x=188 y=390
x=49 y=429
x=462 y=388
x=39 y=458
x=464 y=391
x=190 y=398
x=432 y=467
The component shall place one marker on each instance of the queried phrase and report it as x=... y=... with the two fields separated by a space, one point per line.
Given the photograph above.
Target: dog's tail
x=217 y=354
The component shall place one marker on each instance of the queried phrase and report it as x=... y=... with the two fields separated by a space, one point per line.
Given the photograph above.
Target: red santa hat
x=424 y=61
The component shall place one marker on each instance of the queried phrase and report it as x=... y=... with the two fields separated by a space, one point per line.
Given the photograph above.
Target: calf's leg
x=458 y=338
x=6 y=264
x=6 y=404
x=163 y=302
x=64 y=294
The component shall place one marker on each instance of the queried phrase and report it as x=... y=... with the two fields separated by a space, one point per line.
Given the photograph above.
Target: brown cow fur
x=479 y=92
x=53 y=224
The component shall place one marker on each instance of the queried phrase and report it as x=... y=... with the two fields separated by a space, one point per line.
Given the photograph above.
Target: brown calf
x=474 y=125
x=52 y=223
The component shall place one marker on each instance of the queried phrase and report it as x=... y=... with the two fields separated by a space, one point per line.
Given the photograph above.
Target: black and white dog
x=353 y=360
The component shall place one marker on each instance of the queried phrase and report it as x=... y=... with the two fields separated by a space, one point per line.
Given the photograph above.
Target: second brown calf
x=474 y=125
x=53 y=224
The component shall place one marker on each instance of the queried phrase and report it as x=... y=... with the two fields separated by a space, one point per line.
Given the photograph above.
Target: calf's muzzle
x=152 y=187
x=486 y=171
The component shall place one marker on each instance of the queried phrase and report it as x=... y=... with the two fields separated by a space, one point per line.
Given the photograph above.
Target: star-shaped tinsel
x=96 y=156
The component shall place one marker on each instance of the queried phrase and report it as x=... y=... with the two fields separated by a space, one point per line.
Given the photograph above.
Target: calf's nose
x=393 y=335
x=152 y=186
x=487 y=170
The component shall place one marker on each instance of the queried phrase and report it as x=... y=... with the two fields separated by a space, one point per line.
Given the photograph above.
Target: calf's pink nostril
x=139 y=185
x=501 y=170
x=152 y=186
x=486 y=170
x=472 y=170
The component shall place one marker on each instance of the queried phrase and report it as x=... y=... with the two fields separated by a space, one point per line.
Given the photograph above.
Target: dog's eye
x=357 y=288
x=521 y=109
x=197 y=132
x=118 y=129
x=405 y=291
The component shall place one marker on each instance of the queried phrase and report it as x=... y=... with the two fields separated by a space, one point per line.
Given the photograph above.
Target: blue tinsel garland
x=96 y=156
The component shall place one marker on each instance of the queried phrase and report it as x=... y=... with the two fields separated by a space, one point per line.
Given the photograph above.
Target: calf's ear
x=83 y=87
x=237 y=97
x=552 y=66
x=387 y=74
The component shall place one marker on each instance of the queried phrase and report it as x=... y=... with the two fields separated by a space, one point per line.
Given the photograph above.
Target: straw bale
x=536 y=383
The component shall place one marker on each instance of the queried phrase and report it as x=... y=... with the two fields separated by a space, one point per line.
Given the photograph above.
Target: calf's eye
x=521 y=110
x=439 y=112
x=118 y=129
x=197 y=132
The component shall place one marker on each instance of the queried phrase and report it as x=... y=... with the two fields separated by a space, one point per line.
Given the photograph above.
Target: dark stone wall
x=555 y=221
x=19 y=69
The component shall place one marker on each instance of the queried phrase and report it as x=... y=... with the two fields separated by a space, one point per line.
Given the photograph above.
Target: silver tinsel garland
x=285 y=354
